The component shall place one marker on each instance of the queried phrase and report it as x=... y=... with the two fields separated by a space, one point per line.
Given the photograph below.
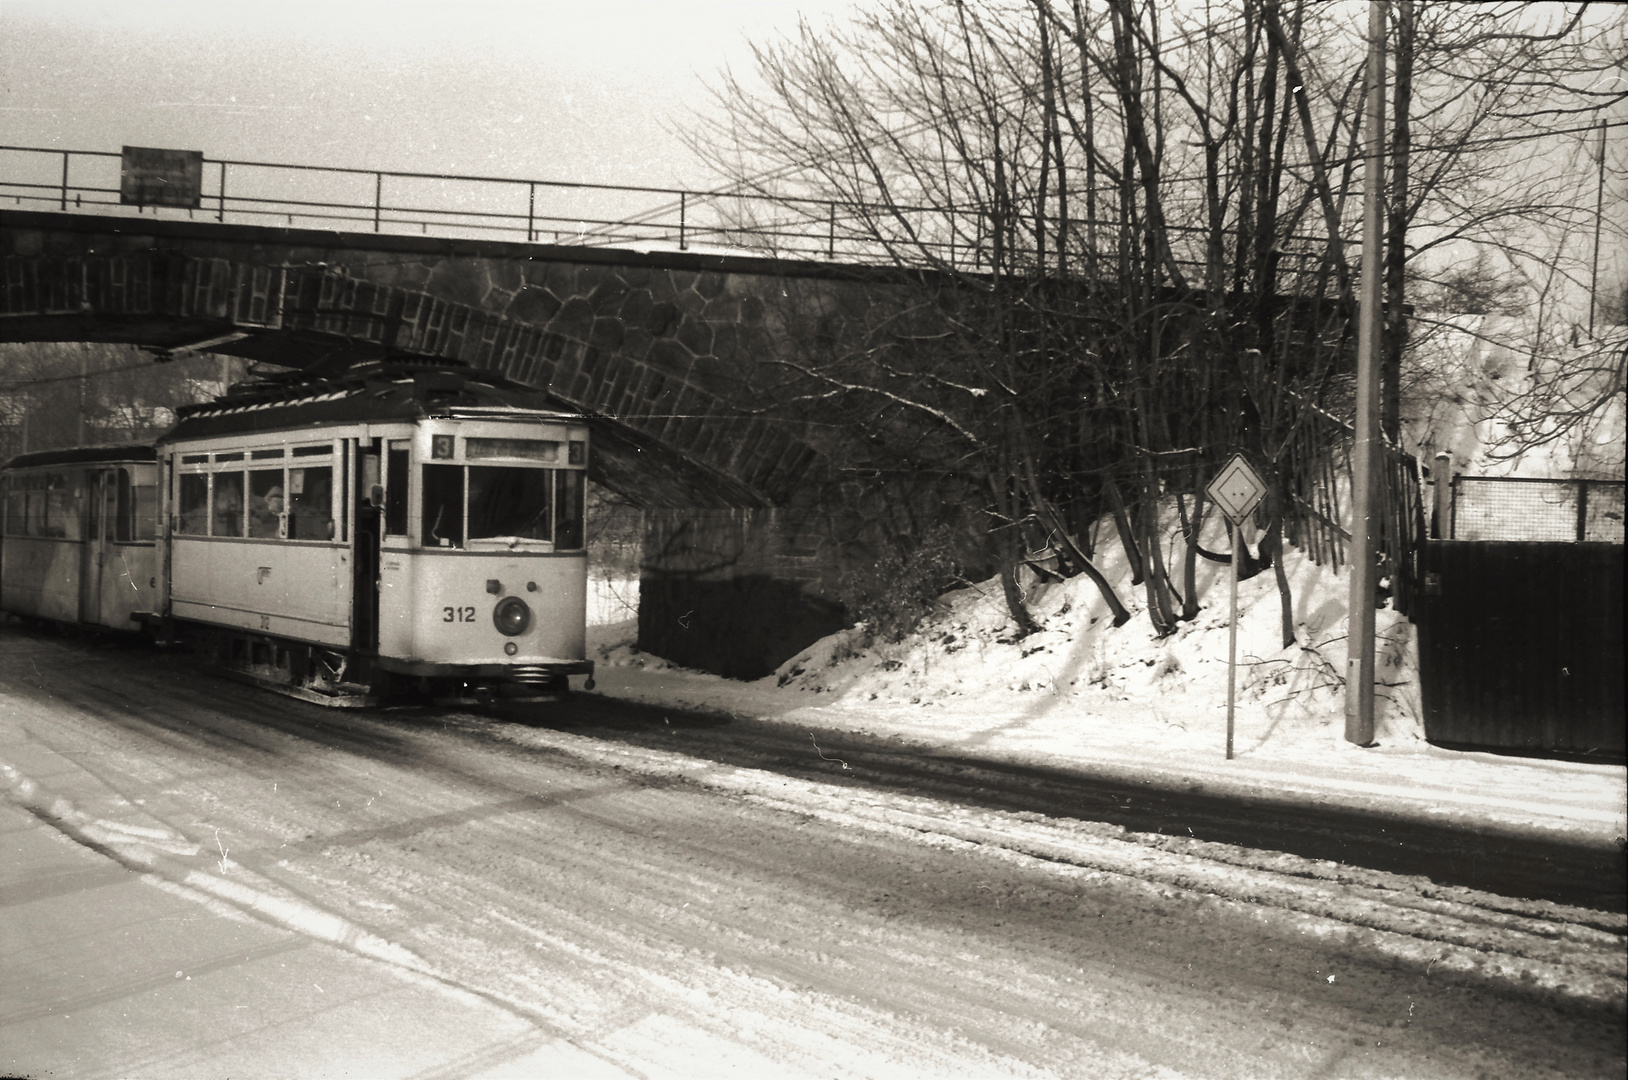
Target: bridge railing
x=536 y=211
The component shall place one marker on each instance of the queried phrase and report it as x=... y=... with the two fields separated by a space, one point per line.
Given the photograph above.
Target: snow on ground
x=612 y=600
x=1082 y=694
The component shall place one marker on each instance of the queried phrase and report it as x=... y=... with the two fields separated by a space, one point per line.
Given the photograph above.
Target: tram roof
x=84 y=455
x=372 y=392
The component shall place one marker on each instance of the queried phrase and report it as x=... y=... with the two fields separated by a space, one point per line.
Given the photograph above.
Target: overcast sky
x=542 y=89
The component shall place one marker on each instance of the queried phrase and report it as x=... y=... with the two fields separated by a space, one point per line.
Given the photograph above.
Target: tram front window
x=443 y=506
x=510 y=503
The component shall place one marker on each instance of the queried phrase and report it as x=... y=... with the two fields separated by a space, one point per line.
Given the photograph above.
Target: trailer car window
x=14 y=508
x=146 y=500
x=443 y=506
x=192 y=502
x=509 y=502
x=138 y=509
x=61 y=507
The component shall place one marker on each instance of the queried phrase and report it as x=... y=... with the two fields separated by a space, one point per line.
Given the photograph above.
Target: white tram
x=77 y=539
x=399 y=529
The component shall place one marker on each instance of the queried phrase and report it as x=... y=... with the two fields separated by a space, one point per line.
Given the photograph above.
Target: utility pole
x=1359 y=668
x=1599 y=206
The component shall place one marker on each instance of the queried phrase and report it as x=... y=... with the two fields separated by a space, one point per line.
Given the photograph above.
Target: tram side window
x=61 y=507
x=443 y=506
x=508 y=502
x=311 y=503
x=570 y=493
x=16 y=500
x=138 y=510
x=395 y=498
x=228 y=517
x=265 y=503
x=192 y=504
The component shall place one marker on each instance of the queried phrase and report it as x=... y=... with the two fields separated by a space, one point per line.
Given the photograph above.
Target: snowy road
x=679 y=916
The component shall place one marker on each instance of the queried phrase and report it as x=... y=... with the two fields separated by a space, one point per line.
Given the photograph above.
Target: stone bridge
x=661 y=349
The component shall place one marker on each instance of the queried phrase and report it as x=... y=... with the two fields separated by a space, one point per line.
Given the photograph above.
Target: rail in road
x=1489 y=859
x=604 y=874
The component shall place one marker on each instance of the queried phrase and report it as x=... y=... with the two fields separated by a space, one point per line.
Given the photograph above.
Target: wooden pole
x=1359 y=669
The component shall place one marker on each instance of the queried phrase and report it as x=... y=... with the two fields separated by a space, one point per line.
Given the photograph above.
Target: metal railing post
x=531 y=212
x=65 y=179
x=378 y=197
x=683 y=204
x=1582 y=510
x=221 y=214
x=1442 y=475
x=831 y=239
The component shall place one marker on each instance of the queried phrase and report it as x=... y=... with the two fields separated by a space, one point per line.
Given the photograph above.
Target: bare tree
x=1131 y=223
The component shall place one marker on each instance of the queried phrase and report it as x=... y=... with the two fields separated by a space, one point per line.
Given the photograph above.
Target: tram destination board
x=1237 y=489
x=149 y=176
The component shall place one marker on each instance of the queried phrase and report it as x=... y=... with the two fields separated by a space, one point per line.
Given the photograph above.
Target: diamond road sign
x=1237 y=489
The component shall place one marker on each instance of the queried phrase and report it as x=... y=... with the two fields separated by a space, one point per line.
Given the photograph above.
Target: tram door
x=101 y=506
x=365 y=587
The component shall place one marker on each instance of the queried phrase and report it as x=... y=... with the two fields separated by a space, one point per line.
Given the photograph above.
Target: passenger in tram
x=310 y=515
x=263 y=517
x=228 y=510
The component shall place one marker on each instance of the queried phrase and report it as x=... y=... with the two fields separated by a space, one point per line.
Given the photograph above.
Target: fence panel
x=1521 y=646
x=1554 y=511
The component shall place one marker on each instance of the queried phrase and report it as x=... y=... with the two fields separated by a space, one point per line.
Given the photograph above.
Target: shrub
x=892 y=592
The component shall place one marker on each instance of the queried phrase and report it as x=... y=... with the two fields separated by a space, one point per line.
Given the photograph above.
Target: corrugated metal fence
x=1521 y=618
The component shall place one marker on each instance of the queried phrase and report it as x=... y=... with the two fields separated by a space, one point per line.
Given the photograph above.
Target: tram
x=398 y=529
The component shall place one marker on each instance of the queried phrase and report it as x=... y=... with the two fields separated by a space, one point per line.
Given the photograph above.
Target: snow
x=1481 y=388
x=1084 y=695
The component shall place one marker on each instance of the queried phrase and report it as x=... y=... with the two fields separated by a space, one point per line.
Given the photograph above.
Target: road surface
x=667 y=913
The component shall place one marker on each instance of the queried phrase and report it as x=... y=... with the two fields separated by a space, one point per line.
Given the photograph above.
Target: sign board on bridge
x=153 y=177
x=1237 y=489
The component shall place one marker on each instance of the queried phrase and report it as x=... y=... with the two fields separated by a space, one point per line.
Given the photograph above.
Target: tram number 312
x=458 y=614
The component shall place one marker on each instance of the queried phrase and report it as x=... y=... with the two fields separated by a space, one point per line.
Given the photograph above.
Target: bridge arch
x=654 y=346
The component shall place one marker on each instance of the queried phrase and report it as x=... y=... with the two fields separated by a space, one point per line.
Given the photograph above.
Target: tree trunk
x=1158 y=596
x=1192 y=529
x=1272 y=548
x=1133 y=554
x=1014 y=596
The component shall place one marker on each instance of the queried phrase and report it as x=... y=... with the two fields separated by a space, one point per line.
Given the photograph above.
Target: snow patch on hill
x=1083 y=694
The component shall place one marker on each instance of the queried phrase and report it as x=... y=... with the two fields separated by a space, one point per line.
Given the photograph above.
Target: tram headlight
x=511 y=616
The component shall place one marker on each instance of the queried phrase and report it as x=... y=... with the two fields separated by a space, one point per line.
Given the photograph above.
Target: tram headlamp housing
x=511 y=616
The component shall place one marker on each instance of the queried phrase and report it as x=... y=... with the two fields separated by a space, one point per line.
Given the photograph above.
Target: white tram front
x=401 y=529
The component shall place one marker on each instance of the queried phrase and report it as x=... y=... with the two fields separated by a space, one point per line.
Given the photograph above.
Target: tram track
x=1486 y=859
x=1483 y=858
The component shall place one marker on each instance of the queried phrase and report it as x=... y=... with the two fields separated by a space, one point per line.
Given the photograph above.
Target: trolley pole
x=1359 y=668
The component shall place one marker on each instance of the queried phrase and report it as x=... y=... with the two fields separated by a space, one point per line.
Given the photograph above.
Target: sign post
x=1237 y=489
